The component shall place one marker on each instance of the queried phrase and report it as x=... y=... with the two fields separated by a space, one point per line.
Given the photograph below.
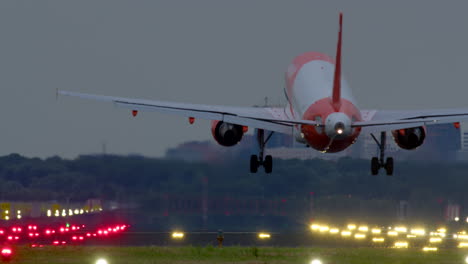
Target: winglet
x=336 y=96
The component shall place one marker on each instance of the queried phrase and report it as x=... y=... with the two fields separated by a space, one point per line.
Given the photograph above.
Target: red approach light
x=10 y=238
x=36 y=235
x=191 y=120
x=99 y=232
x=81 y=238
x=48 y=232
x=2 y=232
x=16 y=238
x=33 y=245
x=62 y=229
x=64 y=242
x=74 y=238
x=134 y=113
x=88 y=234
x=73 y=228
x=456 y=125
x=55 y=242
x=106 y=232
x=13 y=229
x=31 y=235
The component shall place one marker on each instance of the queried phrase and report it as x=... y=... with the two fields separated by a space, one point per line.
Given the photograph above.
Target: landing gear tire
x=261 y=160
x=375 y=166
x=254 y=164
x=381 y=162
x=389 y=166
x=268 y=164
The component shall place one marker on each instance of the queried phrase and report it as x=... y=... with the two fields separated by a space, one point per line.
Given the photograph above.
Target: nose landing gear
x=257 y=161
x=381 y=162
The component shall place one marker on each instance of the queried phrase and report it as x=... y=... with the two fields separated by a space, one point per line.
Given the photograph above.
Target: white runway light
x=316 y=261
x=102 y=261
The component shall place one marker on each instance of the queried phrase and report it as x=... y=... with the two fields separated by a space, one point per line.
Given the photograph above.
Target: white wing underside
x=268 y=118
x=277 y=119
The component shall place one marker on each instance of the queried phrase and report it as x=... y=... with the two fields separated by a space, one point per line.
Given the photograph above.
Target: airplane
x=321 y=113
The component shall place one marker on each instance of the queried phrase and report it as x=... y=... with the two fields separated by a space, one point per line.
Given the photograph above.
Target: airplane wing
x=378 y=120
x=268 y=118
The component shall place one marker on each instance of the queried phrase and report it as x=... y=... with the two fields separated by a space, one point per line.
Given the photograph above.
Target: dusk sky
x=396 y=55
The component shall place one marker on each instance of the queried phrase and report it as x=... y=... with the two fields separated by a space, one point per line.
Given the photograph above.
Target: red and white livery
x=321 y=113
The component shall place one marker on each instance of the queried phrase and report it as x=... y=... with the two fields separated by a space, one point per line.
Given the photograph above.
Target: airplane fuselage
x=309 y=86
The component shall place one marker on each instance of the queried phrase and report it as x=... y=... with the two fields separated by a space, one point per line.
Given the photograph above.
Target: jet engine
x=409 y=138
x=227 y=134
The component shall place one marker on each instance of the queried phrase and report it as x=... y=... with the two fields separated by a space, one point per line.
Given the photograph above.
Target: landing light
x=339 y=131
x=264 y=236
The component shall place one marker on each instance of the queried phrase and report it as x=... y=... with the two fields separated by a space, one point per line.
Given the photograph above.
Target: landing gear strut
x=257 y=161
x=377 y=163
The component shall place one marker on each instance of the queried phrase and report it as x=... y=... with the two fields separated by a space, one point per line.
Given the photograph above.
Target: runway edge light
x=102 y=261
x=316 y=261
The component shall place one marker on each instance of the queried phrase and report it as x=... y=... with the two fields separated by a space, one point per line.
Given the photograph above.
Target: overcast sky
x=396 y=54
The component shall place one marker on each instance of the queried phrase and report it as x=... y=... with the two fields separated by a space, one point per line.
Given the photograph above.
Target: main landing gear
x=377 y=163
x=257 y=161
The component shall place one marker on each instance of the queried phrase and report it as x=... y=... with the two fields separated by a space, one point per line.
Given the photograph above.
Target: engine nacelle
x=227 y=134
x=409 y=138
